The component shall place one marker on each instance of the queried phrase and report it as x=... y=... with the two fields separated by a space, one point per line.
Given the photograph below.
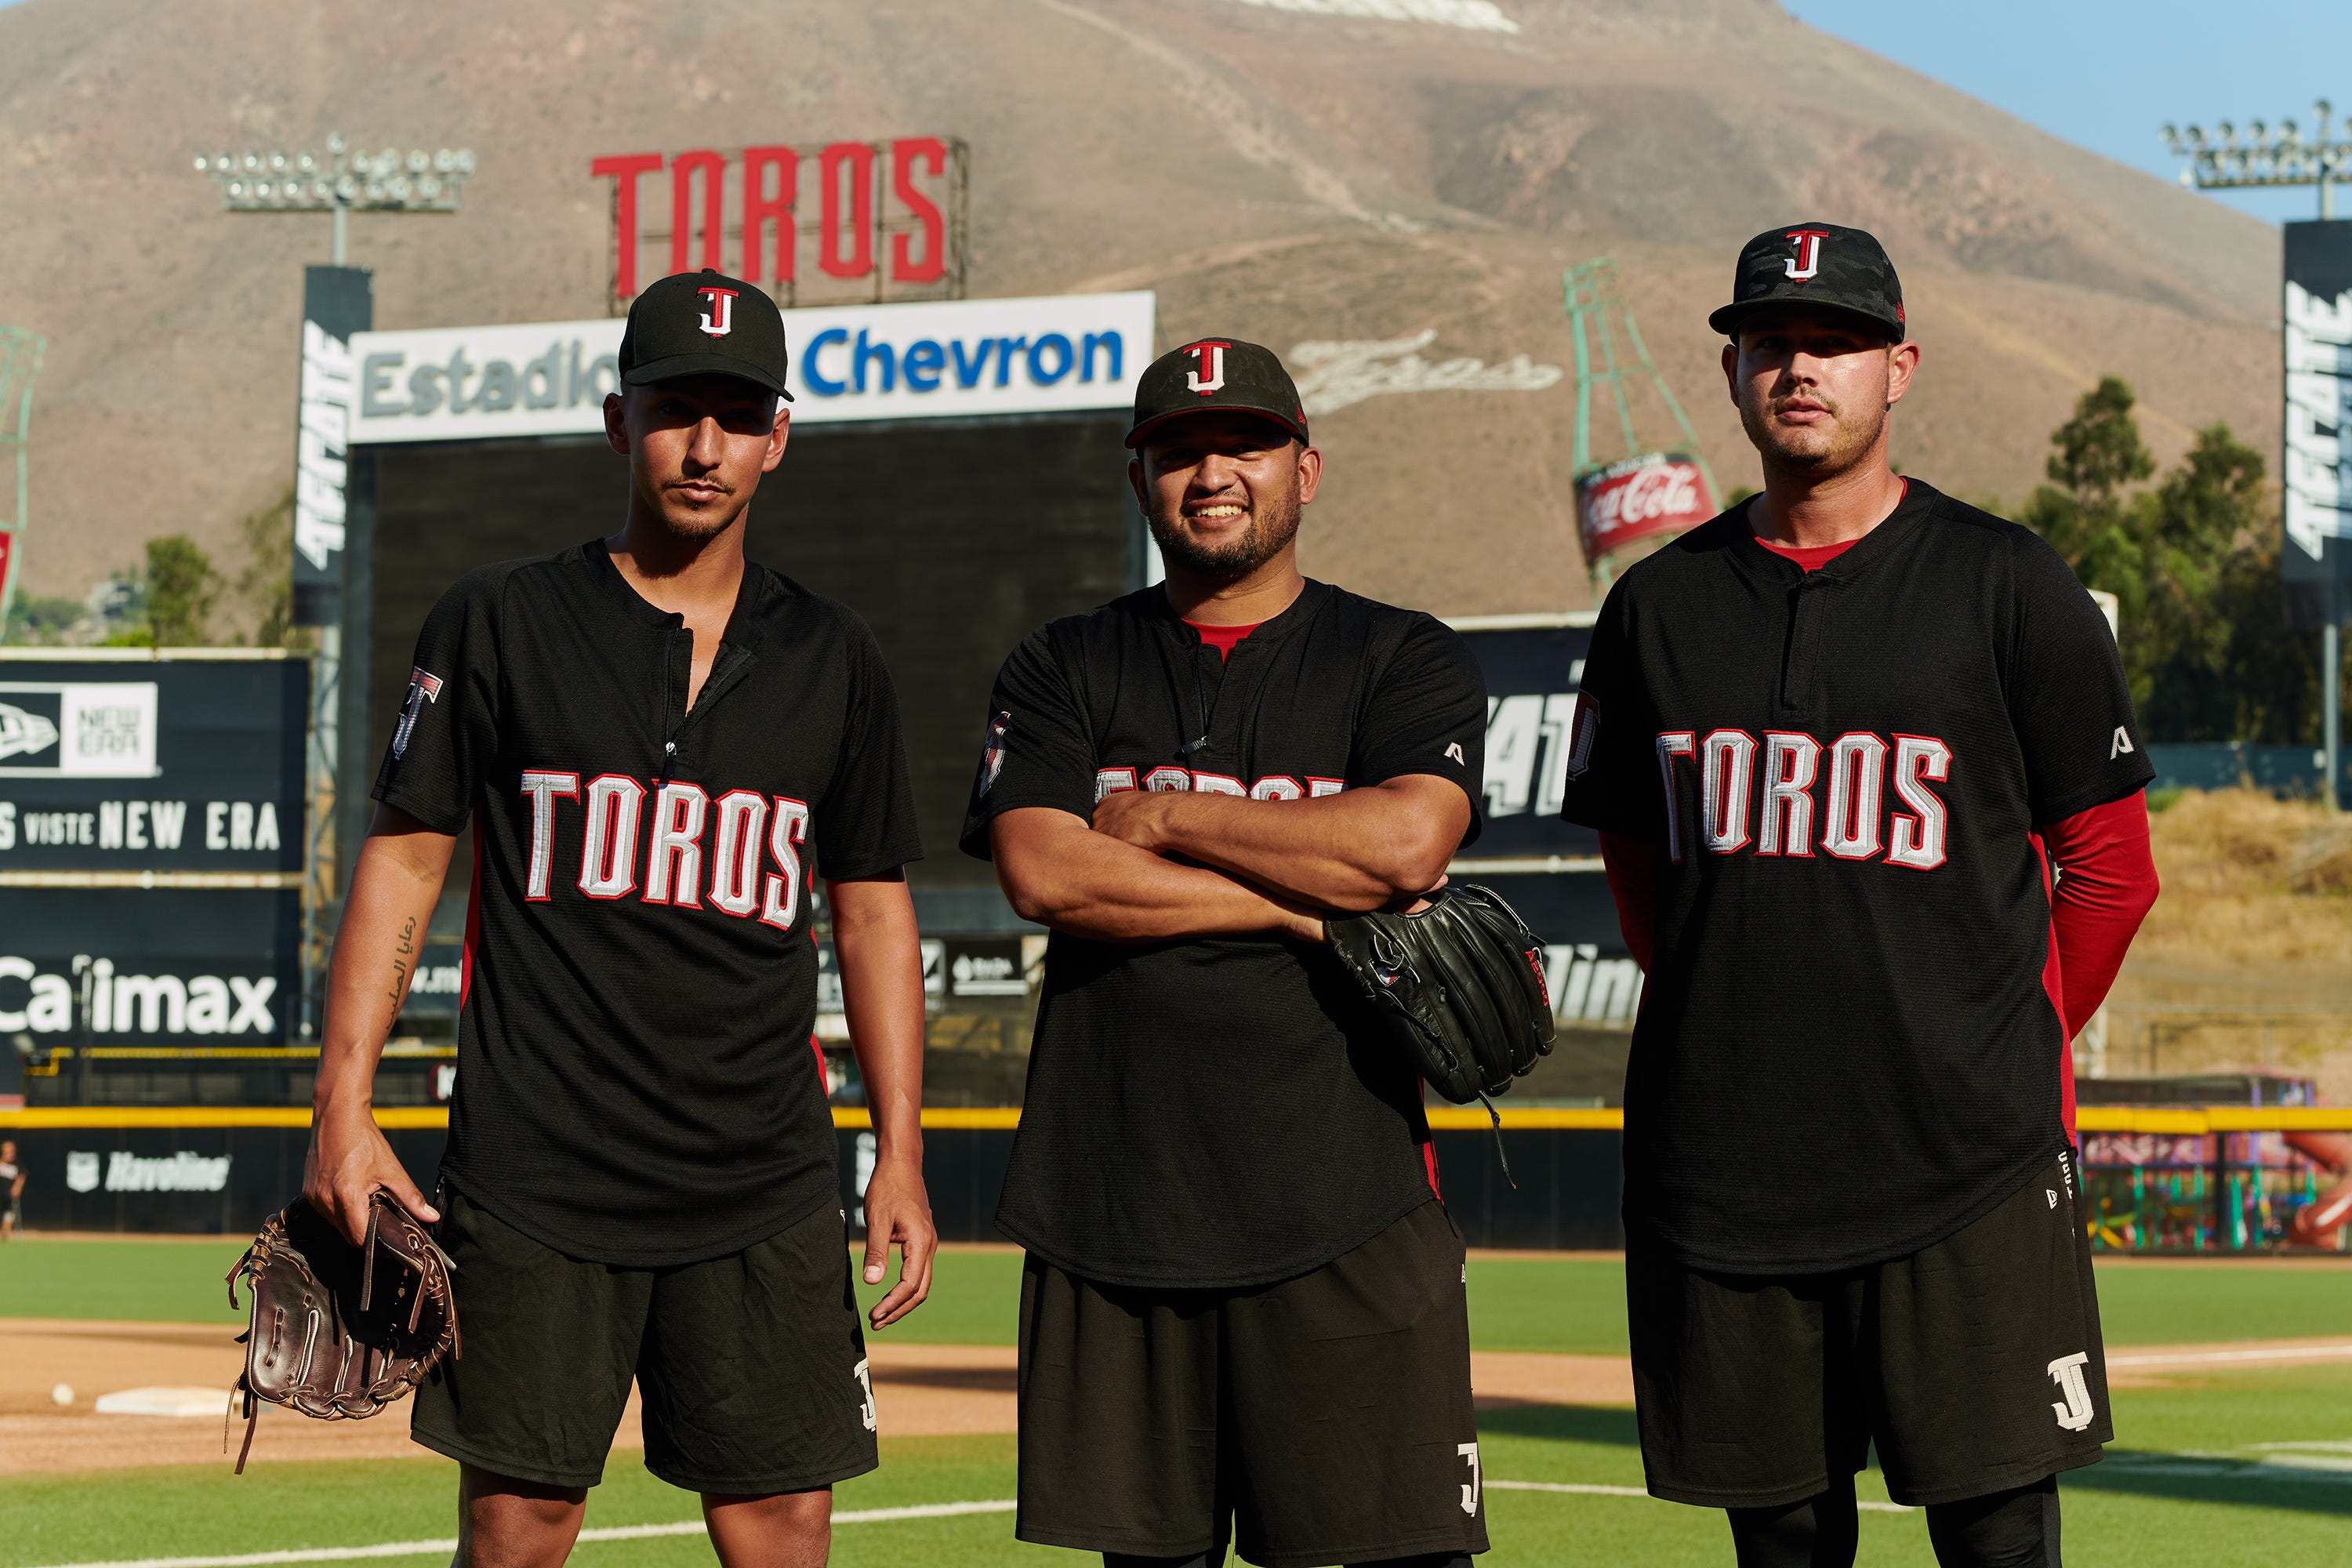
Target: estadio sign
x=958 y=357
x=1658 y=492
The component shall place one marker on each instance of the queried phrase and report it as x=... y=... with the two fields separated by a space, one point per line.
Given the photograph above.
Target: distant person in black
x=1242 y=1311
x=12 y=1201
x=660 y=747
x=1835 y=742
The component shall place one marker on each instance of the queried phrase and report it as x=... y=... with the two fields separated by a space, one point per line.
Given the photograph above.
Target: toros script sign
x=1658 y=492
x=841 y=220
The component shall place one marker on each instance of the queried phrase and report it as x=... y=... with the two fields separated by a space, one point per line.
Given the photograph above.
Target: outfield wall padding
x=170 y=1179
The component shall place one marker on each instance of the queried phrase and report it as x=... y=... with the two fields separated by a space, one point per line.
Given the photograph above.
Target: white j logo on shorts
x=1469 y=1452
x=865 y=1383
x=2075 y=1413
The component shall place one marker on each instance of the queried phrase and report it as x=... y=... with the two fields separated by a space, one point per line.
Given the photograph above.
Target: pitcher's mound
x=165 y=1402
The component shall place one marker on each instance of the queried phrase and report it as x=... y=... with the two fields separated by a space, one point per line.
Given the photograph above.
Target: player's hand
x=349 y=1159
x=899 y=1211
x=1134 y=816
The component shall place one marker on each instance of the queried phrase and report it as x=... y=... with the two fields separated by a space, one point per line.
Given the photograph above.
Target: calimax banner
x=949 y=358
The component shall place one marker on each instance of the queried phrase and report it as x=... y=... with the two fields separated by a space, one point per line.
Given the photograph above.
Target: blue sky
x=2104 y=74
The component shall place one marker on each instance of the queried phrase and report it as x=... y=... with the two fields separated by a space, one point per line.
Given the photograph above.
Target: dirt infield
x=919 y=1390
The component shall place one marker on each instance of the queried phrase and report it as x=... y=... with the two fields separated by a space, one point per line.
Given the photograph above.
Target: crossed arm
x=1262 y=864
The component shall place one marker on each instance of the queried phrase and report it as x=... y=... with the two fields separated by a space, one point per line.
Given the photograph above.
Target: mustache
x=1774 y=404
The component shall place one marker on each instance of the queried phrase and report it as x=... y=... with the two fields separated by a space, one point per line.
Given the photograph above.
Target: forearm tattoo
x=403 y=971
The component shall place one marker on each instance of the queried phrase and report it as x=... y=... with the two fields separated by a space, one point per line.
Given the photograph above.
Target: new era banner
x=2316 y=563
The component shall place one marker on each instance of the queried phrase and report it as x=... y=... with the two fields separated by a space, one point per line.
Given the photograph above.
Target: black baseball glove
x=1460 y=984
x=339 y=1331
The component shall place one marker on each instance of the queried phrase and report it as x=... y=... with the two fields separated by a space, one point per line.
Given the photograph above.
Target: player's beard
x=1814 y=451
x=1273 y=525
x=695 y=526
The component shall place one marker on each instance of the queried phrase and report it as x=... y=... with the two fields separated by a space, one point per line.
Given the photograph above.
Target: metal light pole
x=2260 y=155
x=20 y=362
x=338 y=182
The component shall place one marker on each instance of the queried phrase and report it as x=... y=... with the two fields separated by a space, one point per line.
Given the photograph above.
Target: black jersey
x=637 y=1080
x=1216 y=1112
x=1847 y=1050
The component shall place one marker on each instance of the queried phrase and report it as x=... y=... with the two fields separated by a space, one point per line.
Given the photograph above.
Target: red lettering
x=624 y=171
x=682 y=171
x=848 y=210
x=760 y=208
x=905 y=153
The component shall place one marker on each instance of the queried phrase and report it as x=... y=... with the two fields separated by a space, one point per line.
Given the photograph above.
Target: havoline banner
x=2316 y=469
x=336 y=302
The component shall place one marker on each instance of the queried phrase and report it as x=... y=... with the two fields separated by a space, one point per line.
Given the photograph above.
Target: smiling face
x=1223 y=491
x=1814 y=387
x=697 y=447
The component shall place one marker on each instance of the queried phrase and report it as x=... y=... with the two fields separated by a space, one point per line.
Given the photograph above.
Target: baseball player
x=1243 y=1310
x=1836 y=741
x=11 y=1190
x=660 y=747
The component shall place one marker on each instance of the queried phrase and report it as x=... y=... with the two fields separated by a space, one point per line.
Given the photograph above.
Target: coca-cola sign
x=1657 y=492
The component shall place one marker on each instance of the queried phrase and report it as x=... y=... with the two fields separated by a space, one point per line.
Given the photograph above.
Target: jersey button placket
x=1809 y=606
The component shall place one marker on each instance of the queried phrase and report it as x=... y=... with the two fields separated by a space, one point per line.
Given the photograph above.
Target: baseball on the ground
x=62 y=1394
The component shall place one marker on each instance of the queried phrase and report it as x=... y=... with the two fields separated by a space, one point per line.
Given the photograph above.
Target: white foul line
x=2268 y=1352
x=609 y=1532
x=1592 y=1490
x=696 y=1527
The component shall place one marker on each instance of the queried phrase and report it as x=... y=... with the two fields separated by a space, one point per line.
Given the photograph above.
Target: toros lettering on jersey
x=1811 y=796
x=1170 y=776
x=749 y=842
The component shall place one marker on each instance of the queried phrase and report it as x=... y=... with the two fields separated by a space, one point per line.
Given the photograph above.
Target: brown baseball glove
x=331 y=1334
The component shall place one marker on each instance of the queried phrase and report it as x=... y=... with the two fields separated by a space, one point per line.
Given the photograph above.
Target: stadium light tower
x=20 y=360
x=2262 y=155
x=338 y=181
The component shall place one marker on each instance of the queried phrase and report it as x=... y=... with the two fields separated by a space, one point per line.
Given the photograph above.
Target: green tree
x=179 y=588
x=2083 y=513
x=266 y=585
x=41 y=621
x=2193 y=563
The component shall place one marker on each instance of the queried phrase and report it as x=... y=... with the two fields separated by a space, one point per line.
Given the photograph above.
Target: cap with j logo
x=704 y=323
x=1216 y=375
x=1818 y=265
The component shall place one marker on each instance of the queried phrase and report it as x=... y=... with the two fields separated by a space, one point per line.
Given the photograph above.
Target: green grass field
x=2244 y=1469
x=1567 y=1304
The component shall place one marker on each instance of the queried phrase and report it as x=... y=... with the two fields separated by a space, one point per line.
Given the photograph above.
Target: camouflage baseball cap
x=1817 y=264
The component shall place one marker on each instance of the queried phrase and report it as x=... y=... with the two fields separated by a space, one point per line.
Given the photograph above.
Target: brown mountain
x=1291 y=171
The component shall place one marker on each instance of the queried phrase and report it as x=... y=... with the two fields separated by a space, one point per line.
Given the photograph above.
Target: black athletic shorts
x=1326 y=1419
x=753 y=1365
x=1974 y=1364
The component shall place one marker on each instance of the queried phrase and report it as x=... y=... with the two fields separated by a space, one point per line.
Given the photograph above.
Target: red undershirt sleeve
x=1636 y=866
x=2106 y=887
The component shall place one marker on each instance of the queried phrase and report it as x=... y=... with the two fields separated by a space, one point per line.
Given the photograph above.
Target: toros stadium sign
x=814 y=223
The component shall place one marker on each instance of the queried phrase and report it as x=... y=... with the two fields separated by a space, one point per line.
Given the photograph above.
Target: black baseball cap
x=1816 y=264
x=700 y=323
x=1211 y=376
